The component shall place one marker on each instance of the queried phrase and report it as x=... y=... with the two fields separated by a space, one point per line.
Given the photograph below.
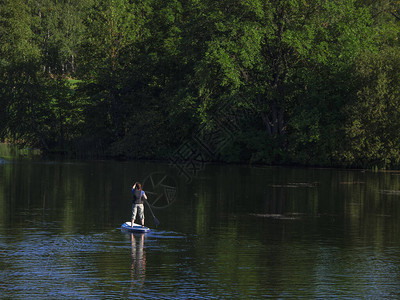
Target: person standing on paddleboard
x=137 y=204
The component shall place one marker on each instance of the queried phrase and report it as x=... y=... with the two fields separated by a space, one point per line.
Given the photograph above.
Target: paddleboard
x=136 y=227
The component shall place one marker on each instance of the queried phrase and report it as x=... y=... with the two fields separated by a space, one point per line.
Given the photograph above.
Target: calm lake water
x=232 y=232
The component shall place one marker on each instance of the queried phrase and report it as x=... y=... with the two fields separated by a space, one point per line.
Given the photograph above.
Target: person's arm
x=134 y=186
x=144 y=195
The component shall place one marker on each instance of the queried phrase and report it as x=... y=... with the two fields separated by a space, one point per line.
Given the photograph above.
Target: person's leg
x=134 y=210
x=141 y=213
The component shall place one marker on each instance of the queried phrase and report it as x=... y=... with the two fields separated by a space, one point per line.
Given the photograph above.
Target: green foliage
x=40 y=112
x=373 y=120
x=318 y=79
x=16 y=34
x=58 y=28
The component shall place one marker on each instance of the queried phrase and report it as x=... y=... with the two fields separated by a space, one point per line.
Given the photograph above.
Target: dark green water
x=233 y=232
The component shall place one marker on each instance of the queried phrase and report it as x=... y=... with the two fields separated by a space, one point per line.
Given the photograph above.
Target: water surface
x=232 y=232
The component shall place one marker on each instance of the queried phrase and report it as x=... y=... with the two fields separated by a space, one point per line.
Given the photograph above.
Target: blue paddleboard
x=136 y=227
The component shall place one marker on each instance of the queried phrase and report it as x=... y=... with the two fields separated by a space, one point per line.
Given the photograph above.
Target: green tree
x=284 y=59
x=114 y=30
x=35 y=109
x=18 y=56
x=16 y=35
x=157 y=72
x=58 y=28
x=372 y=117
x=304 y=82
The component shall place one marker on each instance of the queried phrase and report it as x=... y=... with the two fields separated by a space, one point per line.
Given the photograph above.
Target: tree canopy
x=288 y=81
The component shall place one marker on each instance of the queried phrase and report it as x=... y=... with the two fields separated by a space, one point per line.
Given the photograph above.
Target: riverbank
x=10 y=152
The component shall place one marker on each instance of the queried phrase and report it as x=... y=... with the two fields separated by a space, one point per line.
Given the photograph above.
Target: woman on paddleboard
x=137 y=204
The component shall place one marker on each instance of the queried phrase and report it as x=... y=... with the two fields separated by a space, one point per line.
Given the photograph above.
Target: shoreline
x=38 y=154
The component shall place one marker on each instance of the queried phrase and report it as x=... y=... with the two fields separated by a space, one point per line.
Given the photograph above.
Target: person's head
x=138 y=186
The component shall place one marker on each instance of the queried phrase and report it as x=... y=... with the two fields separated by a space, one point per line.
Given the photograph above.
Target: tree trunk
x=267 y=123
x=72 y=63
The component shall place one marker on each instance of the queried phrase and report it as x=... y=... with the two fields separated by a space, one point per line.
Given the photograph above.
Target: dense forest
x=251 y=81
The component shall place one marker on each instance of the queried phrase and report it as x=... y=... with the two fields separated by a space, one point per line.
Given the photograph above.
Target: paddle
x=156 y=222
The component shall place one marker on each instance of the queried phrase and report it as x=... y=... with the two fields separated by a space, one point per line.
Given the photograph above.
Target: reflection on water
x=10 y=152
x=234 y=232
x=138 y=268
